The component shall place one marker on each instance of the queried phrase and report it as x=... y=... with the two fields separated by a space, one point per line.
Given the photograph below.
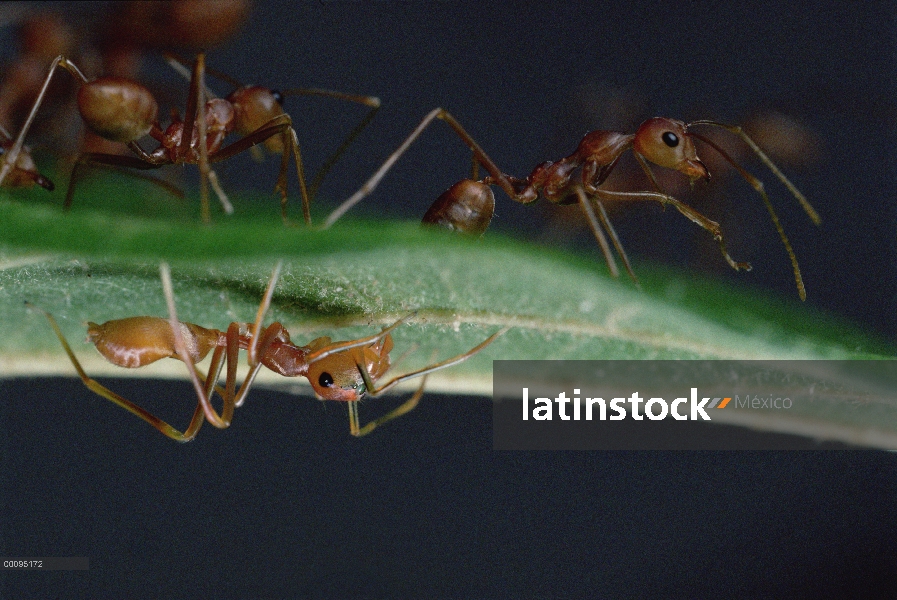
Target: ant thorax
x=219 y=122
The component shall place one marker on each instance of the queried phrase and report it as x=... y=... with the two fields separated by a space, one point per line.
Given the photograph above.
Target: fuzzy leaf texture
x=97 y=264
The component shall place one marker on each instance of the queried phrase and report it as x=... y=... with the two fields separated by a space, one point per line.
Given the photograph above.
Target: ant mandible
x=342 y=371
x=122 y=110
x=468 y=205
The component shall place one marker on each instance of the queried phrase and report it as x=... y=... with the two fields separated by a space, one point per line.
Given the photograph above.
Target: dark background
x=286 y=504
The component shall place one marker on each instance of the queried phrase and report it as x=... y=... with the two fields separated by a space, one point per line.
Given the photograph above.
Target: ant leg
x=354 y=423
x=214 y=372
x=279 y=125
x=205 y=170
x=193 y=104
x=203 y=391
x=711 y=226
x=256 y=348
x=758 y=186
x=12 y=155
x=324 y=169
x=271 y=334
x=371 y=101
x=693 y=215
x=596 y=227
x=181 y=349
x=737 y=130
x=196 y=111
x=496 y=175
x=599 y=234
x=291 y=143
x=180 y=67
x=331 y=349
x=605 y=221
x=119 y=163
x=375 y=391
x=263 y=309
x=231 y=400
x=219 y=191
x=34 y=176
x=99 y=389
x=438 y=113
x=211 y=381
x=371 y=184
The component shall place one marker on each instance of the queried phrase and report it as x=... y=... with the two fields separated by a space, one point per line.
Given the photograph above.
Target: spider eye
x=325 y=380
x=670 y=139
x=278 y=97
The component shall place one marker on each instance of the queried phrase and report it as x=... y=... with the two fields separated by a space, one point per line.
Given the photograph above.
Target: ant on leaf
x=468 y=205
x=342 y=371
x=122 y=110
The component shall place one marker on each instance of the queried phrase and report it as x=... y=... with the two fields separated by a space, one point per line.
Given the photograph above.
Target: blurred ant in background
x=41 y=37
x=128 y=30
x=131 y=30
x=134 y=27
x=122 y=110
x=19 y=171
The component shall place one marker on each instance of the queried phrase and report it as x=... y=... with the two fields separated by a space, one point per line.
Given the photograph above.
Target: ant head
x=666 y=143
x=338 y=376
x=219 y=116
x=254 y=106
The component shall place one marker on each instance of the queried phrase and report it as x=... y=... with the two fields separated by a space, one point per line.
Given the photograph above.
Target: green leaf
x=98 y=264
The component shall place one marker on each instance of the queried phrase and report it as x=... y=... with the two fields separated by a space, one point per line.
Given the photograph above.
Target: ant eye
x=325 y=380
x=670 y=139
x=278 y=97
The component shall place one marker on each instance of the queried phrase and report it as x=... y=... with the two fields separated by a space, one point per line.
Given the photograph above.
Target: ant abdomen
x=466 y=207
x=138 y=341
x=118 y=109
